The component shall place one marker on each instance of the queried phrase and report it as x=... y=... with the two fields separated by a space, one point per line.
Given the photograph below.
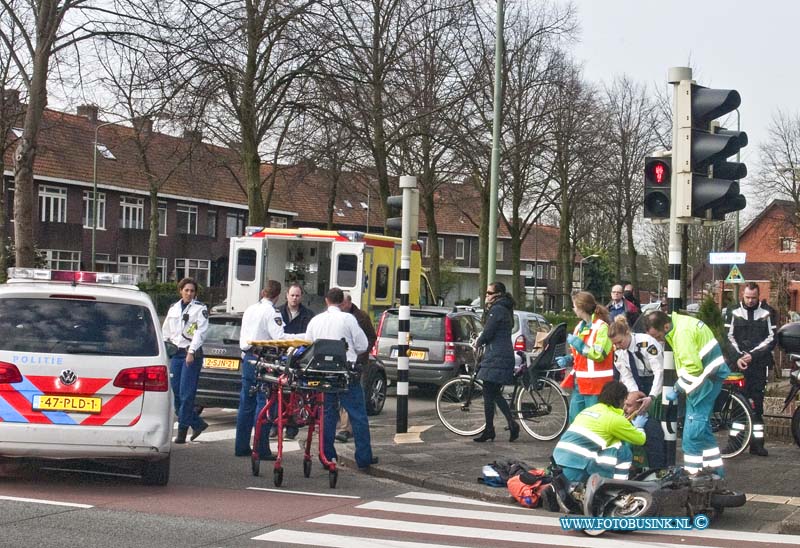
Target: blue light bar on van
x=250 y=230
x=73 y=276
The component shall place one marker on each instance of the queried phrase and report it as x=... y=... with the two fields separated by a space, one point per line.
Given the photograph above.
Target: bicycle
x=537 y=399
x=732 y=417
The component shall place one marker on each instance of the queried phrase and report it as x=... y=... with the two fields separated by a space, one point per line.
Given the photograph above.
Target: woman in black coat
x=497 y=366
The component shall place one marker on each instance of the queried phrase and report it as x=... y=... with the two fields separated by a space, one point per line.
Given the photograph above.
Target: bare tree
x=140 y=76
x=249 y=58
x=780 y=159
x=630 y=137
x=11 y=112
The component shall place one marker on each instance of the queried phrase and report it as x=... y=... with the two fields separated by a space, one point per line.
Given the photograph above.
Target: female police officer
x=185 y=326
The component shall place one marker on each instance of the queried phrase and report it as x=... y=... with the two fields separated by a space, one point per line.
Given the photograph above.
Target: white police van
x=83 y=371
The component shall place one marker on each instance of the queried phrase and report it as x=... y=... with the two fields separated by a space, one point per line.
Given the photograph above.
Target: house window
x=62 y=260
x=788 y=245
x=441 y=248
x=211 y=223
x=138 y=265
x=162 y=218
x=88 y=209
x=499 y=251
x=459 y=249
x=278 y=222
x=553 y=272
x=540 y=271
x=131 y=212
x=199 y=269
x=187 y=219
x=424 y=243
x=52 y=204
x=234 y=224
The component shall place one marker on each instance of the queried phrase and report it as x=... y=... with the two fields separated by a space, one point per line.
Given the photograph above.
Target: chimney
x=143 y=124
x=193 y=135
x=89 y=111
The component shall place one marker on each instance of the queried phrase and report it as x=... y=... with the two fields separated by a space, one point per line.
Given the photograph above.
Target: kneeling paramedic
x=701 y=369
x=598 y=439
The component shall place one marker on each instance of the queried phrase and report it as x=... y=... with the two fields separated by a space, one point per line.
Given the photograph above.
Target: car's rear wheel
x=374 y=390
x=156 y=472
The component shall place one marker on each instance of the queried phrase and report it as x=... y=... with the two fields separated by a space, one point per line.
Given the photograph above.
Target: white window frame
x=190 y=211
x=138 y=265
x=61 y=259
x=240 y=218
x=278 y=222
x=499 y=256
x=211 y=214
x=162 y=218
x=190 y=268
x=553 y=272
x=460 y=244
x=131 y=212
x=52 y=204
x=441 y=248
x=539 y=271
x=105 y=152
x=423 y=241
x=790 y=248
x=88 y=209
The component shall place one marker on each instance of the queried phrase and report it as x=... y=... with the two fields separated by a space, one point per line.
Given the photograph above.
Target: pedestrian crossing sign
x=735 y=276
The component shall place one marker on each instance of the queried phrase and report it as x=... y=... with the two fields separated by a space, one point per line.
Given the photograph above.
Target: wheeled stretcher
x=295 y=375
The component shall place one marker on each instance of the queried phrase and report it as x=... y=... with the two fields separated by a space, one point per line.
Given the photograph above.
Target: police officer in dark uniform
x=752 y=334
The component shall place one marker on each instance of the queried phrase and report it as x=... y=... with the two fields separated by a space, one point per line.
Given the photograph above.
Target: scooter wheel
x=593 y=532
x=307 y=468
x=333 y=476
x=277 y=477
x=728 y=499
x=255 y=465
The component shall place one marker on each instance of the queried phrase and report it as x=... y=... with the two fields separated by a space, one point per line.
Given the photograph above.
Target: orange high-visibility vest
x=592 y=375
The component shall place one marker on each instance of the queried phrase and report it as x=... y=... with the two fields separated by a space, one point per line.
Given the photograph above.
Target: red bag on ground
x=526 y=488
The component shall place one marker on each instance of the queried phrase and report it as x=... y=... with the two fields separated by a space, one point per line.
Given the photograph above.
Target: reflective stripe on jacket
x=697 y=353
x=595 y=367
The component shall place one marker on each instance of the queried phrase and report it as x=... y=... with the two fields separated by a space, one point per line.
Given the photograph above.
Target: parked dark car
x=221 y=379
x=440 y=343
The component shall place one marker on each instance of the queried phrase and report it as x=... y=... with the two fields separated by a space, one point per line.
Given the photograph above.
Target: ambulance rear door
x=347 y=268
x=246 y=267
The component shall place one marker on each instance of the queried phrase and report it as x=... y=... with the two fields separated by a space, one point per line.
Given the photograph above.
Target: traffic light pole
x=408 y=185
x=669 y=422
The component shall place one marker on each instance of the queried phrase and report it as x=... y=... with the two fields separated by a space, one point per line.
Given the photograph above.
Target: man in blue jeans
x=336 y=324
x=260 y=322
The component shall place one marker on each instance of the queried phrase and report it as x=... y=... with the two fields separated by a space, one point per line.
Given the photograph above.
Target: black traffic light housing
x=394 y=214
x=714 y=180
x=657 y=187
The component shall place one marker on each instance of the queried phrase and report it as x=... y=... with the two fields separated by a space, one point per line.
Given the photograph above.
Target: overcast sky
x=749 y=46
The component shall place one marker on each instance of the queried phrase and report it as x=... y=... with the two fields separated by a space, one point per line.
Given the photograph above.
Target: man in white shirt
x=336 y=324
x=261 y=321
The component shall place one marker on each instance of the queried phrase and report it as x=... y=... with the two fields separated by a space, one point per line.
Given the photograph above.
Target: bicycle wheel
x=452 y=408
x=542 y=409
x=732 y=424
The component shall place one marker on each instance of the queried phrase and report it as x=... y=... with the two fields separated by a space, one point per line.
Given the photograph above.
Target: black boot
x=487 y=435
x=181 y=437
x=199 y=430
x=514 y=427
x=757 y=447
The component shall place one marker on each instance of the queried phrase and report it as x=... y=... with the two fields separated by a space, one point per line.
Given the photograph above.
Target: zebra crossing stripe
x=419 y=495
x=495 y=535
x=341 y=541
x=476 y=515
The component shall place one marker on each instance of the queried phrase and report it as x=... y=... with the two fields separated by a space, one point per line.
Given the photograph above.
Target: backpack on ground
x=527 y=487
x=497 y=473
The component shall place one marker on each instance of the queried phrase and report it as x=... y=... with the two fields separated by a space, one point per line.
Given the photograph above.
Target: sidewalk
x=431 y=457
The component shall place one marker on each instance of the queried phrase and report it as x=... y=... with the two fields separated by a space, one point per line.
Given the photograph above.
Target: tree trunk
x=251 y=163
x=633 y=254
x=564 y=258
x=516 y=251
x=152 y=243
x=433 y=242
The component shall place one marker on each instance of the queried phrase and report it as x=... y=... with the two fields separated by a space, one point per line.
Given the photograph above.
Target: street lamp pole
x=94 y=189
x=581 y=265
x=691 y=282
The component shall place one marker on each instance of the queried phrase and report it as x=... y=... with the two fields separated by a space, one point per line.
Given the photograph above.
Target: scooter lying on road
x=789 y=342
x=663 y=492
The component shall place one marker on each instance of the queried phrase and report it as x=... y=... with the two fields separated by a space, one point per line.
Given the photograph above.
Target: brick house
x=771 y=244
x=202 y=203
